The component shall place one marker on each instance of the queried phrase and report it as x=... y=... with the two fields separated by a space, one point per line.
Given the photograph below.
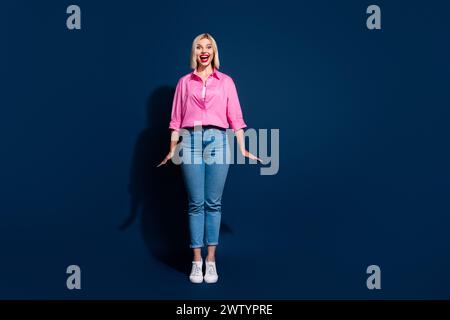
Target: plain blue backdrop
x=363 y=118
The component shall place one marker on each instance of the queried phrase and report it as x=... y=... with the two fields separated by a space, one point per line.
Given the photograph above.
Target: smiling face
x=204 y=52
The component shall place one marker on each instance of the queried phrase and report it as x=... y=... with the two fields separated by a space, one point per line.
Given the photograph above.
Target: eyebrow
x=207 y=45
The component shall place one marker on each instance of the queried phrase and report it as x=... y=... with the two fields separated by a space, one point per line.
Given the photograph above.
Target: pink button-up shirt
x=215 y=103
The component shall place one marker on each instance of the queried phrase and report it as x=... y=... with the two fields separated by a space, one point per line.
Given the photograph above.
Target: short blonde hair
x=215 y=62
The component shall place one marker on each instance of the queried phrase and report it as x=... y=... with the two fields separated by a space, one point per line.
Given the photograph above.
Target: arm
x=234 y=110
x=174 y=137
x=175 y=117
x=175 y=122
x=236 y=120
x=240 y=139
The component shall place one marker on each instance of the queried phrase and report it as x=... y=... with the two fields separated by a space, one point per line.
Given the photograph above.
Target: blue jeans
x=204 y=176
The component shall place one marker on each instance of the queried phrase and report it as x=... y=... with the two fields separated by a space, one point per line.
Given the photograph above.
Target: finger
x=256 y=158
x=163 y=162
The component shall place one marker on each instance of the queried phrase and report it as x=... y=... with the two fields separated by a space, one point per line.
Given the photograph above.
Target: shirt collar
x=215 y=73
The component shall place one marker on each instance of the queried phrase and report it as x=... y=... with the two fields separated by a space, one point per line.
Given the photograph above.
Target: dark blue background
x=363 y=118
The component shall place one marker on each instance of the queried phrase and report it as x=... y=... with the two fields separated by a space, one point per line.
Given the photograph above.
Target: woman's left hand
x=249 y=155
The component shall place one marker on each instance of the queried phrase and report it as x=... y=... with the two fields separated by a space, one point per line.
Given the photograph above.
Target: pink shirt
x=216 y=103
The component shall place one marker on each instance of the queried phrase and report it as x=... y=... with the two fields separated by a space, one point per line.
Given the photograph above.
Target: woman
x=205 y=104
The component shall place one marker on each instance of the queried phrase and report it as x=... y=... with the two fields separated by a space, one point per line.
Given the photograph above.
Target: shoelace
x=211 y=269
x=196 y=270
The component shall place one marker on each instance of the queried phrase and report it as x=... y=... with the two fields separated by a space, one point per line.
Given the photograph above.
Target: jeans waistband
x=205 y=128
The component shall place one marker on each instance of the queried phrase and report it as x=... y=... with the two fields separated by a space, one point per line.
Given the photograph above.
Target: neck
x=204 y=70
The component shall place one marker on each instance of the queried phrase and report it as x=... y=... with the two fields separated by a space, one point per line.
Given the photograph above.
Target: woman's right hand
x=167 y=158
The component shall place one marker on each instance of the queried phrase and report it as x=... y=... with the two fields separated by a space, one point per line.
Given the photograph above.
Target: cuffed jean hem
x=201 y=245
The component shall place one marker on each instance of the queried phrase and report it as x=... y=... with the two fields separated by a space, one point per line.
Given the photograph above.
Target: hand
x=167 y=158
x=249 y=155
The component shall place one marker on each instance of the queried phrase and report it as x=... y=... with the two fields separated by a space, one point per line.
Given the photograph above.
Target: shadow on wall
x=160 y=192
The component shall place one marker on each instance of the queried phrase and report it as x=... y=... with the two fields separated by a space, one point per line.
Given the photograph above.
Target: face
x=204 y=52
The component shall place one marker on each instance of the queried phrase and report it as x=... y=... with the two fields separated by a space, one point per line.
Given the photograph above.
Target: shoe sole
x=211 y=281
x=196 y=281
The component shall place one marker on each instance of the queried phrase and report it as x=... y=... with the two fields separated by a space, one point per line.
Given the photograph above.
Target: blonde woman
x=205 y=104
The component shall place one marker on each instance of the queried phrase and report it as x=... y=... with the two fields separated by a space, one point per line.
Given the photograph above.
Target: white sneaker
x=196 y=275
x=211 y=272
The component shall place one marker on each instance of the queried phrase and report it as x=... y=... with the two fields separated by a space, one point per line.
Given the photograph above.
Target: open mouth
x=204 y=57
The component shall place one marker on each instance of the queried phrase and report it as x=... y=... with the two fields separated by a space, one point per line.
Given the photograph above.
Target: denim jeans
x=204 y=177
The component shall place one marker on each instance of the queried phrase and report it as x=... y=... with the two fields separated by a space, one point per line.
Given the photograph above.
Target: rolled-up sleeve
x=234 y=111
x=175 y=118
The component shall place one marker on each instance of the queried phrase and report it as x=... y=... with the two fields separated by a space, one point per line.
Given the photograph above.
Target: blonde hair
x=215 y=62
